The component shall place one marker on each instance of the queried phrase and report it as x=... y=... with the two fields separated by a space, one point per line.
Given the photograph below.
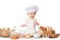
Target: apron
x=30 y=29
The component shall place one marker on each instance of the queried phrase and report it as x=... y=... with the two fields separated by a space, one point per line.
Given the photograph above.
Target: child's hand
x=23 y=25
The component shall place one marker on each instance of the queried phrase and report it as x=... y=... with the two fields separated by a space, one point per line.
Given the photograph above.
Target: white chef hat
x=32 y=8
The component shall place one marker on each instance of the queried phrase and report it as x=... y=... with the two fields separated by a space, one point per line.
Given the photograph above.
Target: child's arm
x=36 y=23
x=24 y=24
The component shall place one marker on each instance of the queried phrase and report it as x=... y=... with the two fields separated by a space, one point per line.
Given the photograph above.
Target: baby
x=31 y=22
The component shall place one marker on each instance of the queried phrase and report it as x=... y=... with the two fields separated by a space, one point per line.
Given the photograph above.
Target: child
x=31 y=22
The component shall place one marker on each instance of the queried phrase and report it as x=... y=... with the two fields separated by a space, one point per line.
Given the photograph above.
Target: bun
x=28 y=36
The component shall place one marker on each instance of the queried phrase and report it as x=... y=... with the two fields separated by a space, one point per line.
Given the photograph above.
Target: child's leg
x=36 y=35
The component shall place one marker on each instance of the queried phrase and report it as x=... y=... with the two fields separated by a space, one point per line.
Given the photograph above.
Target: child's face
x=31 y=14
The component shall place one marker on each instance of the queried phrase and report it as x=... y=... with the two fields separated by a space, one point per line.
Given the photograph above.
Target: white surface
x=32 y=39
x=13 y=13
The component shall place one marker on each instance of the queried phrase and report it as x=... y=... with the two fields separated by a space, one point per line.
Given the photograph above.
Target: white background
x=13 y=13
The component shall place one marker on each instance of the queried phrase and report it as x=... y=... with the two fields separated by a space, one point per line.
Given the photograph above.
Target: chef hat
x=32 y=8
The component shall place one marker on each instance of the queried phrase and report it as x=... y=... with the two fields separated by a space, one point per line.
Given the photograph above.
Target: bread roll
x=28 y=36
